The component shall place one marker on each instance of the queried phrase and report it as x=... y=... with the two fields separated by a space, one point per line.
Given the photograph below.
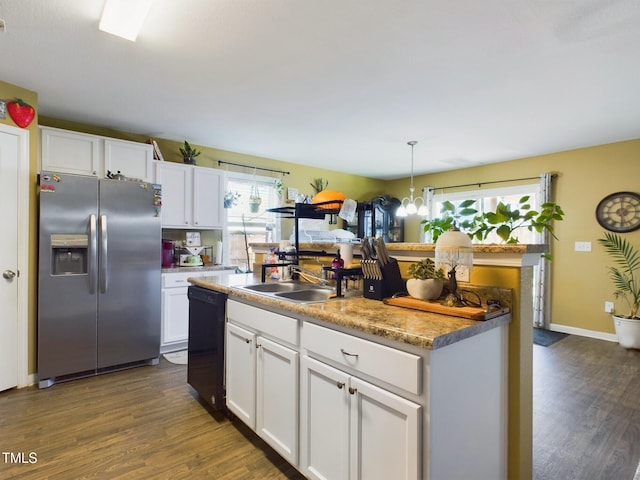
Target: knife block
x=390 y=284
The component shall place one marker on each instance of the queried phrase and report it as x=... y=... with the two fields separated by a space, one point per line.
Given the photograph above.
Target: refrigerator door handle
x=104 y=277
x=93 y=251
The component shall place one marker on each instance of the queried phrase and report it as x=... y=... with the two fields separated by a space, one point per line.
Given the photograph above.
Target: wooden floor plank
x=146 y=423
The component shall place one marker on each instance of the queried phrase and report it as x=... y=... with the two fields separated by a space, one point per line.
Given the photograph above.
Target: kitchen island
x=354 y=388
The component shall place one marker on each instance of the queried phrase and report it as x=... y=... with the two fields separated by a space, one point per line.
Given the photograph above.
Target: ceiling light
x=411 y=207
x=124 y=18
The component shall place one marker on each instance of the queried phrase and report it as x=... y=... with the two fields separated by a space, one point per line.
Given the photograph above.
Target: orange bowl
x=329 y=196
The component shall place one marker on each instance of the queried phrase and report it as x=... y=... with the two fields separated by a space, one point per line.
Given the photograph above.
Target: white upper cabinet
x=207 y=197
x=176 y=194
x=191 y=196
x=132 y=159
x=69 y=152
x=64 y=151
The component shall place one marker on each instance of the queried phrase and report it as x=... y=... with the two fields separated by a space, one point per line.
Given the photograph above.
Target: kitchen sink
x=298 y=292
x=307 y=296
x=280 y=287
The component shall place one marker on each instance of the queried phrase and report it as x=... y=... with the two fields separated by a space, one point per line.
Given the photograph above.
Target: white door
x=324 y=421
x=241 y=373
x=13 y=148
x=376 y=414
x=277 y=398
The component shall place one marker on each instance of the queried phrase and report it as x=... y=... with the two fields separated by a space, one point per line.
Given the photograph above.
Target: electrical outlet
x=608 y=307
x=582 y=246
x=462 y=274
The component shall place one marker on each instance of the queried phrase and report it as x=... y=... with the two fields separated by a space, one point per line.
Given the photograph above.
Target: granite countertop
x=421 y=329
x=519 y=248
x=201 y=268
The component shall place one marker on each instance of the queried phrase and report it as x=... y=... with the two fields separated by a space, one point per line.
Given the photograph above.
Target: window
x=248 y=222
x=487 y=200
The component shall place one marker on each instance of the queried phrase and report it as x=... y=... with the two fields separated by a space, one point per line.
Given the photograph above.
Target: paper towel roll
x=219 y=253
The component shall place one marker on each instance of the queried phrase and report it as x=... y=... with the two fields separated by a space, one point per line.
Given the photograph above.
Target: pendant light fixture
x=410 y=207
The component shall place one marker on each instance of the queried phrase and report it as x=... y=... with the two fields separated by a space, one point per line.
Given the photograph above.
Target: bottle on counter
x=337 y=261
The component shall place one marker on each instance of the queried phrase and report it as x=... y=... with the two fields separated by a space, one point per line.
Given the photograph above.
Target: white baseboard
x=609 y=337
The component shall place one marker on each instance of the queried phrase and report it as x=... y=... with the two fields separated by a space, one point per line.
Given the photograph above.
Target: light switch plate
x=582 y=246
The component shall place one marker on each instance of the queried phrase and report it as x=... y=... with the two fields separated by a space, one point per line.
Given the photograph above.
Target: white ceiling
x=342 y=84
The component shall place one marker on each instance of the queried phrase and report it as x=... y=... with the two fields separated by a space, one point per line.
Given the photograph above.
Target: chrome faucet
x=309 y=275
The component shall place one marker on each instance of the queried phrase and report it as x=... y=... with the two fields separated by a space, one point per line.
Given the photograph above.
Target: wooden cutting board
x=473 y=313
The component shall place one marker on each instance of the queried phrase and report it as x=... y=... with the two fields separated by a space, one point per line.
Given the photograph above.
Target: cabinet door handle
x=340 y=385
x=248 y=340
x=258 y=345
x=352 y=390
x=344 y=352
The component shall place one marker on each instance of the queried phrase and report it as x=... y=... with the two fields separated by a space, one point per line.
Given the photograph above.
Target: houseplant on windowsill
x=504 y=220
x=427 y=281
x=189 y=153
x=625 y=277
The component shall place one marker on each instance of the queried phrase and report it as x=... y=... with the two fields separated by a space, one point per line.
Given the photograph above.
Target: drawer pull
x=340 y=385
x=344 y=352
x=352 y=390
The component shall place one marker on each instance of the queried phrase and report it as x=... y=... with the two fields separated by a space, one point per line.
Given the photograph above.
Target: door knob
x=8 y=274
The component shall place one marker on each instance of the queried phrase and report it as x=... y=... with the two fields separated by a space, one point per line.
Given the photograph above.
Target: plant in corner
x=189 y=153
x=427 y=281
x=625 y=279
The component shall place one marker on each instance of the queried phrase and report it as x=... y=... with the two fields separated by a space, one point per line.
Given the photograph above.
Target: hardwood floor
x=586 y=410
x=145 y=423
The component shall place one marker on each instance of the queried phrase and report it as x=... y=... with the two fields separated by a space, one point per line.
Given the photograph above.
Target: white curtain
x=541 y=307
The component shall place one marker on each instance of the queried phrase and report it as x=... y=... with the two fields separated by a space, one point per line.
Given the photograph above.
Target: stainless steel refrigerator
x=99 y=275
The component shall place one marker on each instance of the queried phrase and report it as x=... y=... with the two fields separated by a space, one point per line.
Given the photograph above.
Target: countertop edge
x=387 y=321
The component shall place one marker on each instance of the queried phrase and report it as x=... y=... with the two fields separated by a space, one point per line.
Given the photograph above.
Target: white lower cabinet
x=262 y=376
x=352 y=429
x=339 y=406
x=175 y=309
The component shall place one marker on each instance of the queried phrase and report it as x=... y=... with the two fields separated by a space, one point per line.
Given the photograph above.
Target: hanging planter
x=231 y=199
x=254 y=199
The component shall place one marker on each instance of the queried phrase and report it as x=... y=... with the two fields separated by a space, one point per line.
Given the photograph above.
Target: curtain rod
x=480 y=184
x=220 y=162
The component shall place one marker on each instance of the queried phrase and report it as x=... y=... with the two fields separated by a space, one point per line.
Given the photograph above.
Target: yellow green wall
x=9 y=92
x=579 y=280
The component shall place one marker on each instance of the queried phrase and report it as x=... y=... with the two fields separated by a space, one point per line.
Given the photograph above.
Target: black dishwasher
x=205 y=371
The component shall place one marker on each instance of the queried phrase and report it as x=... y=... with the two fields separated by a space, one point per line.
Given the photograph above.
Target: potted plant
x=189 y=153
x=461 y=215
x=505 y=221
x=231 y=199
x=427 y=281
x=254 y=199
x=319 y=185
x=625 y=279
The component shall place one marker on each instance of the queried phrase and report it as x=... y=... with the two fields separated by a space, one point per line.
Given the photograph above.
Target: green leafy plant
x=505 y=221
x=231 y=199
x=278 y=186
x=425 y=269
x=188 y=151
x=319 y=184
x=624 y=276
x=462 y=215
